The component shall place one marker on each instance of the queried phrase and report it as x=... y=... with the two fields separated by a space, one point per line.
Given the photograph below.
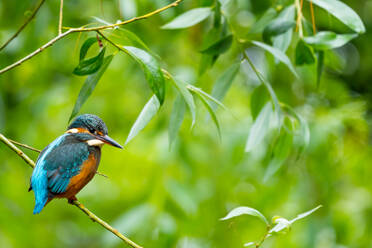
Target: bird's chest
x=87 y=171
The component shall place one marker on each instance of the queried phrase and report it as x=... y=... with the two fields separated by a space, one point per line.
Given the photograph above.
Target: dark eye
x=91 y=130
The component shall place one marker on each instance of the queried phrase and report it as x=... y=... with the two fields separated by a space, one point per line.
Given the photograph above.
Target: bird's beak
x=106 y=139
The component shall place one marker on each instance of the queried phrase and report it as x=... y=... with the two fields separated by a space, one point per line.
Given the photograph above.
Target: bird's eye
x=91 y=131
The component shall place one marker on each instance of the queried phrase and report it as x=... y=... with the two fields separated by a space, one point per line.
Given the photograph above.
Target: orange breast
x=87 y=172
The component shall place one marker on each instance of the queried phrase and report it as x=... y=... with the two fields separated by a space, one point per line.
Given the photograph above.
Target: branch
x=91 y=215
x=82 y=29
x=60 y=18
x=28 y=20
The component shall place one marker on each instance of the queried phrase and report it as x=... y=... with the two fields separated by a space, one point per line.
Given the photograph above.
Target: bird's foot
x=72 y=199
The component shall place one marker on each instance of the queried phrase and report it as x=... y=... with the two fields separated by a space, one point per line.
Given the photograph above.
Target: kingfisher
x=67 y=164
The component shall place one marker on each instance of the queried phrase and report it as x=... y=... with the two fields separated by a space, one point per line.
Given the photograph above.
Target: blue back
x=55 y=166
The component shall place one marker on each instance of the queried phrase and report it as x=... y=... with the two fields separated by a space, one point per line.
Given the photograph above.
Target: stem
x=25 y=146
x=82 y=29
x=28 y=20
x=90 y=214
x=60 y=18
x=299 y=17
x=312 y=16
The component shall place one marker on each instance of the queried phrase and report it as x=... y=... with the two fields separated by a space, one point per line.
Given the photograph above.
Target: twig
x=60 y=18
x=312 y=16
x=82 y=29
x=28 y=20
x=299 y=17
x=91 y=215
x=25 y=146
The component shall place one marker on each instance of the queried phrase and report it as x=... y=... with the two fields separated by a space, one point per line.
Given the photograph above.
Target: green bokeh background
x=163 y=197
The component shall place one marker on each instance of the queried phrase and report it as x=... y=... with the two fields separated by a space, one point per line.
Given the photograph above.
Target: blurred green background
x=163 y=197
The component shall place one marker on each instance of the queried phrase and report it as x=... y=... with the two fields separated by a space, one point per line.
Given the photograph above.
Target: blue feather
x=39 y=178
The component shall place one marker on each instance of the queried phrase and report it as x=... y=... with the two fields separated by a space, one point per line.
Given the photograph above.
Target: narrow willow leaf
x=209 y=108
x=304 y=54
x=282 y=226
x=304 y=127
x=342 y=12
x=319 y=67
x=85 y=47
x=89 y=66
x=303 y=215
x=151 y=69
x=219 y=46
x=259 y=128
x=209 y=97
x=249 y=244
x=328 y=40
x=282 y=57
x=89 y=85
x=276 y=27
x=281 y=152
x=245 y=210
x=259 y=97
x=223 y=83
x=176 y=119
x=189 y=18
x=282 y=41
x=147 y=113
x=207 y=60
x=259 y=26
x=135 y=40
x=189 y=99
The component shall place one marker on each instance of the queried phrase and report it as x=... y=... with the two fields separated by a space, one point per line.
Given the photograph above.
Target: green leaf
x=85 y=47
x=176 y=119
x=188 y=19
x=281 y=151
x=133 y=38
x=187 y=96
x=259 y=97
x=223 y=83
x=304 y=54
x=259 y=128
x=282 y=57
x=209 y=108
x=89 y=66
x=282 y=226
x=245 y=210
x=328 y=40
x=219 y=46
x=342 y=12
x=152 y=71
x=265 y=19
x=282 y=41
x=276 y=27
x=89 y=85
x=147 y=113
x=207 y=60
x=303 y=215
x=209 y=97
x=319 y=67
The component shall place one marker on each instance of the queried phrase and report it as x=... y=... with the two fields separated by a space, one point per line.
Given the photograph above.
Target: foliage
x=285 y=83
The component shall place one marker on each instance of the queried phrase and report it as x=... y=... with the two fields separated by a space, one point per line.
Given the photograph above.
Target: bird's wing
x=63 y=161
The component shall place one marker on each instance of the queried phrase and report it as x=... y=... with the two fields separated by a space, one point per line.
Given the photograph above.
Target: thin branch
x=28 y=20
x=312 y=16
x=60 y=18
x=25 y=146
x=37 y=51
x=82 y=29
x=91 y=215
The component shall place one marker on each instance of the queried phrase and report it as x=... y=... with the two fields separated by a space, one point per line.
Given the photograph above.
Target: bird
x=67 y=164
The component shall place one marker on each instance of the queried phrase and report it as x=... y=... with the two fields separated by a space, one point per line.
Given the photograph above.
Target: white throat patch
x=95 y=142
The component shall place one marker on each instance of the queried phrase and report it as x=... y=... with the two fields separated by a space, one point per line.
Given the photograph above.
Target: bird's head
x=91 y=129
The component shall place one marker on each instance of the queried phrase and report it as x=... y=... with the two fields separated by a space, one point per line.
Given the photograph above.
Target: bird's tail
x=39 y=205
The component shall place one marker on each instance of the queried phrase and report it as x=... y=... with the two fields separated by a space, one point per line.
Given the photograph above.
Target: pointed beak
x=109 y=141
